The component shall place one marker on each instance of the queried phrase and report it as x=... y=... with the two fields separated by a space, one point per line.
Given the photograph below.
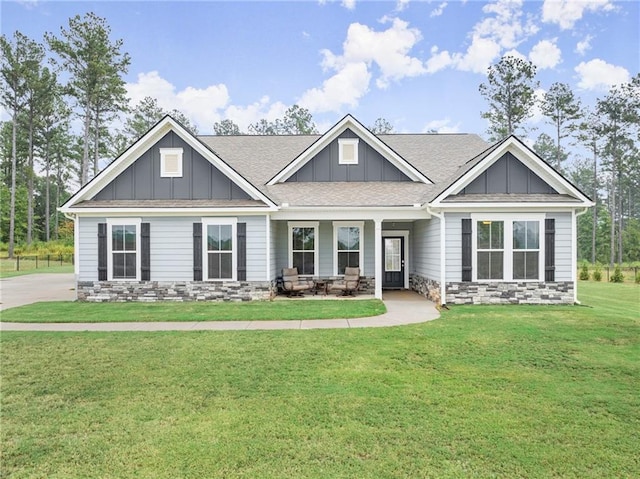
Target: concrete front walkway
x=403 y=307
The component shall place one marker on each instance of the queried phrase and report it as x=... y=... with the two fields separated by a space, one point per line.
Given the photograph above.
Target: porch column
x=378 y=258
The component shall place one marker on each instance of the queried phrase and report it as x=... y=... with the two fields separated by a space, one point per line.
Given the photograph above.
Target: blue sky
x=416 y=63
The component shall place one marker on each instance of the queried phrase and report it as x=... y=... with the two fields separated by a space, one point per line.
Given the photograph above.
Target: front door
x=393 y=262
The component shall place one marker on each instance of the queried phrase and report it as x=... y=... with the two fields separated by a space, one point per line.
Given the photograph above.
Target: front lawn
x=502 y=392
x=73 y=312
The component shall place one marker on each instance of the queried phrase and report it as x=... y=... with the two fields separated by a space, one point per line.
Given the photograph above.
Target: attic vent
x=348 y=151
x=171 y=162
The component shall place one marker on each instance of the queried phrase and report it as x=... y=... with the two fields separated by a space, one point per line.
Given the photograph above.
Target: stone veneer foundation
x=152 y=291
x=560 y=292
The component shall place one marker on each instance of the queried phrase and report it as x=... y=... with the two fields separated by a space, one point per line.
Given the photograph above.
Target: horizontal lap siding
x=256 y=247
x=171 y=248
x=563 y=246
x=88 y=249
x=453 y=228
x=426 y=248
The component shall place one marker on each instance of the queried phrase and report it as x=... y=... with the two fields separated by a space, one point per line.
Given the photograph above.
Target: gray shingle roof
x=259 y=158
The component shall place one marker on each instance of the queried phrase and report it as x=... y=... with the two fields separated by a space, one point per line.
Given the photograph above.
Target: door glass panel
x=392 y=254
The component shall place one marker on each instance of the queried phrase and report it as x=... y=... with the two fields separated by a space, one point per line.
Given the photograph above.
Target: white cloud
x=349 y=4
x=243 y=116
x=515 y=54
x=438 y=10
x=597 y=74
x=200 y=105
x=502 y=28
x=545 y=54
x=584 y=45
x=566 y=13
x=345 y=88
x=441 y=126
x=401 y=5
x=362 y=49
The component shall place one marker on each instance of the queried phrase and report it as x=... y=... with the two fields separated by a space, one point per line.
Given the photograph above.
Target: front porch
x=387 y=252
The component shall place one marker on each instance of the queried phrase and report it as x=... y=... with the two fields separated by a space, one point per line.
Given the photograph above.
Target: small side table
x=320 y=285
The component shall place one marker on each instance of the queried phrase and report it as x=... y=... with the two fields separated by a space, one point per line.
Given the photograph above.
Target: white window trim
x=234 y=250
x=170 y=151
x=348 y=141
x=123 y=222
x=342 y=224
x=508 y=219
x=304 y=224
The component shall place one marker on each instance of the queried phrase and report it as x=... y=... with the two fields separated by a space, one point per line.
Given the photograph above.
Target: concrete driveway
x=32 y=288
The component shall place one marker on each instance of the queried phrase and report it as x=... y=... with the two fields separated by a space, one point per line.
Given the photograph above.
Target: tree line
x=69 y=113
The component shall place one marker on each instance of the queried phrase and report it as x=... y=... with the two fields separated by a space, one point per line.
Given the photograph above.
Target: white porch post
x=378 y=258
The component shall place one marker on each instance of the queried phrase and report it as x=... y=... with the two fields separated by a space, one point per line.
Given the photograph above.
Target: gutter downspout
x=443 y=262
x=574 y=252
x=76 y=242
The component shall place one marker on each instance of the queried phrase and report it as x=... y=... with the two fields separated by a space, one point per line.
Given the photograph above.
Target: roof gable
x=509 y=168
x=348 y=126
x=119 y=180
x=325 y=165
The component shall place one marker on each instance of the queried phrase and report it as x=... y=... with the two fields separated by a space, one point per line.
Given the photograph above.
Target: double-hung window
x=123 y=249
x=526 y=250
x=347 y=238
x=508 y=247
x=303 y=247
x=490 y=249
x=219 y=255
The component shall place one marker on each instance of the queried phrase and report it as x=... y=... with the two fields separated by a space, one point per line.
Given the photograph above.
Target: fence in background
x=29 y=262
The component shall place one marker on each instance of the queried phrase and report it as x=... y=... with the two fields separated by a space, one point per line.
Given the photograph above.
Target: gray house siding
x=200 y=179
x=563 y=257
x=508 y=175
x=372 y=166
x=426 y=248
x=453 y=248
x=256 y=247
x=171 y=247
x=88 y=248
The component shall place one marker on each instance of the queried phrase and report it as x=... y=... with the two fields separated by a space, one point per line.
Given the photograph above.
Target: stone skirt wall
x=510 y=293
x=151 y=291
x=495 y=293
x=428 y=288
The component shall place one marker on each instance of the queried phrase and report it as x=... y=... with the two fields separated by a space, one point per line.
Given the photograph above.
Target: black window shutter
x=197 y=251
x=242 y=251
x=549 y=249
x=145 y=253
x=466 y=249
x=102 y=251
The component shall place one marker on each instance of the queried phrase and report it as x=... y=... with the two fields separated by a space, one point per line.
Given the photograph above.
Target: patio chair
x=292 y=284
x=350 y=283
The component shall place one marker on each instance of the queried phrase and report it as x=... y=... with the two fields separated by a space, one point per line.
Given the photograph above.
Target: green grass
x=505 y=391
x=72 y=312
x=8 y=267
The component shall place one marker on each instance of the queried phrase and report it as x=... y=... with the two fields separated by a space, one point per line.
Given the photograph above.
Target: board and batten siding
x=171 y=247
x=426 y=248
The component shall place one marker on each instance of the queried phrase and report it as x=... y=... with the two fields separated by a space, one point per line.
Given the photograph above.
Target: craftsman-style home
x=180 y=217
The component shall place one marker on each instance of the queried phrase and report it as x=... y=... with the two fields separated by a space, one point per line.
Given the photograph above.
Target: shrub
x=617 y=276
x=637 y=278
x=584 y=272
x=597 y=273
